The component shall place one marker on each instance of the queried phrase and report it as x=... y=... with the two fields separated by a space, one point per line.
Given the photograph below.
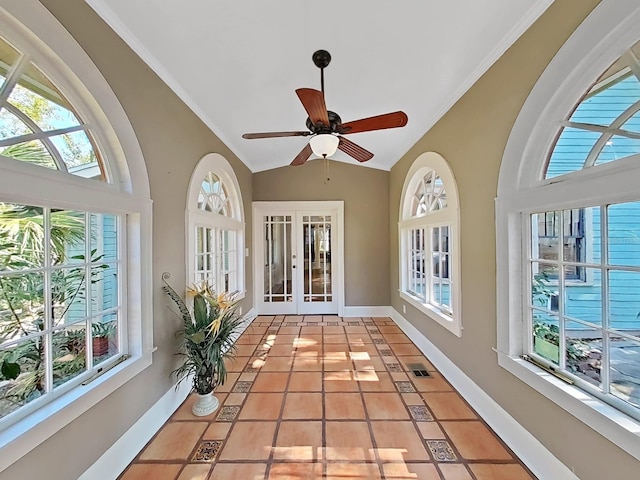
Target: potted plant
x=103 y=333
x=206 y=341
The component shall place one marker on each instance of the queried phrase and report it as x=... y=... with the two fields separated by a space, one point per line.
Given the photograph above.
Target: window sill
x=448 y=322
x=611 y=423
x=26 y=434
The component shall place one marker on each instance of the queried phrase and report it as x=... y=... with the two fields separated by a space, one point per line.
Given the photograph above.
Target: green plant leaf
x=10 y=370
x=197 y=337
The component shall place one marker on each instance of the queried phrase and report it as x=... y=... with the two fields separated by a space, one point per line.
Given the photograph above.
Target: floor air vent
x=418 y=369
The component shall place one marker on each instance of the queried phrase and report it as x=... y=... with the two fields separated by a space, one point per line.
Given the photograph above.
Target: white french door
x=298 y=257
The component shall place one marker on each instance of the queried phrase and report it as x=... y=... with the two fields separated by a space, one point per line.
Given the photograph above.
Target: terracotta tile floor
x=328 y=398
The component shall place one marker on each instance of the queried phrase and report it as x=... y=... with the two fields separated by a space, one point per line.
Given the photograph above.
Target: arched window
x=73 y=214
x=216 y=226
x=429 y=259
x=568 y=214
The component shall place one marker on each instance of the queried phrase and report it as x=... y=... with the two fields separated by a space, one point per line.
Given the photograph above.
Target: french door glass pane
x=278 y=271
x=317 y=258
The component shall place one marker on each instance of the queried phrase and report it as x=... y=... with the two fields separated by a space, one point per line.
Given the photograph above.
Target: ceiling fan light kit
x=324 y=145
x=326 y=127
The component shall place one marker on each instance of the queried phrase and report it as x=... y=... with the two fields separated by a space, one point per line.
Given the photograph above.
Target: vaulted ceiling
x=237 y=64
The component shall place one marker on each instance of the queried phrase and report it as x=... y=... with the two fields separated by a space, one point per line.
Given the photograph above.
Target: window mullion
x=604 y=369
x=47 y=339
x=14 y=75
x=561 y=318
x=87 y=288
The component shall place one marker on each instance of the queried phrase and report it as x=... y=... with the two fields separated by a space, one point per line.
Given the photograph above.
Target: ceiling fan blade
x=275 y=134
x=313 y=102
x=379 y=122
x=303 y=156
x=354 y=150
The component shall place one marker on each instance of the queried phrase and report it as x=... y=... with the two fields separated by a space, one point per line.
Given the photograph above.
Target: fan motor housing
x=334 y=122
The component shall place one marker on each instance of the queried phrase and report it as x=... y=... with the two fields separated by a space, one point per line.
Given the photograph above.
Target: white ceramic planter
x=205 y=405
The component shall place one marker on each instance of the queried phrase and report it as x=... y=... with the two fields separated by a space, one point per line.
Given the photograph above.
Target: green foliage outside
x=22 y=301
x=576 y=350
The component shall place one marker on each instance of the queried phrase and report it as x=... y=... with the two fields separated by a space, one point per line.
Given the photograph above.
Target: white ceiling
x=237 y=64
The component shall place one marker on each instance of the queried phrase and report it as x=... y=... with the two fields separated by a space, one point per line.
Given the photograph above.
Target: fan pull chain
x=326 y=169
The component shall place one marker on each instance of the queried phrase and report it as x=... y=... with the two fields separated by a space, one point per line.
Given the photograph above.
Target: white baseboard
x=366 y=311
x=533 y=454
x=115 y=460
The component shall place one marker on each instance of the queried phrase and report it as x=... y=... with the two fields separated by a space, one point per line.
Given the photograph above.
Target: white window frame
x=31 y=28
x=450 y=217
x=608 y=31
x=195 y=217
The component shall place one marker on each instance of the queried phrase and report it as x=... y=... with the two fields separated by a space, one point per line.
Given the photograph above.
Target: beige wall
x=472 y=137
x=365 y=192
x=172 y=140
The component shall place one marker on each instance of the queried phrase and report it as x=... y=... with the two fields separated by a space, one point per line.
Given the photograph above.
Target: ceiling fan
x=326 y=127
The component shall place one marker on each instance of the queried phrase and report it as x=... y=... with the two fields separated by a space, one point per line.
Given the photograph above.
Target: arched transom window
x=428 y=236
x=430 y=194
x=213 y=196
x=38 y=124
x=605 y=125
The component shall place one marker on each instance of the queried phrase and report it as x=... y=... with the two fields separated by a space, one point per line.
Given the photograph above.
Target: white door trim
x=336 y=207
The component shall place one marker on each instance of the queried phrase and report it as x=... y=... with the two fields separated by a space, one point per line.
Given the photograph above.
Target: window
x=570 y=171
x=216 y=226
x=75 y=323
x=428 y=239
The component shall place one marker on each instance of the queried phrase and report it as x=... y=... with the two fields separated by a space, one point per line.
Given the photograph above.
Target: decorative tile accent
x=353 y=324
x=379 y=341
x=420 y=413
x=312 y=324
x=394 y=367
x=228 y=414
x=441 y=451
x=369 y=323
x=244 y=387
x=272 y=331
x=261 y=353
x=251 y=369
x=373 y=330
x=332 y=324
x=403 y=387
x=207 y=451
x=386 y=353
x=291 y=324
